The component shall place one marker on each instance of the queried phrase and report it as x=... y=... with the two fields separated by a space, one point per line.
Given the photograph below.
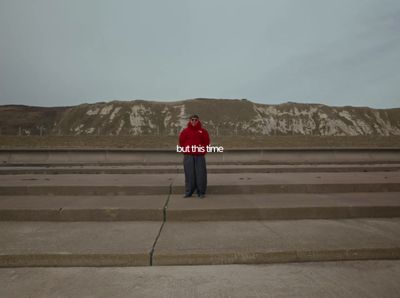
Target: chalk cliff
x=219 y=116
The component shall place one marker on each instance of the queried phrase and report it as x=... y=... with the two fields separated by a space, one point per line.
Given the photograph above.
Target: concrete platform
x=283 y=206
x=30 y=244
x=82 y=208
x=142 y=184
x=300 y=280
x=211 y=168
x=257 y=242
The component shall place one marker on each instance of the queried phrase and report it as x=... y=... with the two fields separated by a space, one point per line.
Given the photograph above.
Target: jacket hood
x=197 y=126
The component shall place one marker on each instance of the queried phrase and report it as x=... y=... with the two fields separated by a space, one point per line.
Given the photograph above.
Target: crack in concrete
x=155 y=242
x=163 y=223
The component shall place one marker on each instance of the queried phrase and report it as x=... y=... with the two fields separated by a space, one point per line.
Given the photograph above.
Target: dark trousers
x=195 y=174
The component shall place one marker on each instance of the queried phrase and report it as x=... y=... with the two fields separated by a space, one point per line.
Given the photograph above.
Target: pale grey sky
x=67 y=52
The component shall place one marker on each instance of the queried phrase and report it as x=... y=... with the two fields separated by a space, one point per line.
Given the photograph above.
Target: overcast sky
x=342 y=52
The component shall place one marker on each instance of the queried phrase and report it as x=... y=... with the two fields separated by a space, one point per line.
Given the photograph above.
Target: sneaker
x=202 y=196
x=187 y=196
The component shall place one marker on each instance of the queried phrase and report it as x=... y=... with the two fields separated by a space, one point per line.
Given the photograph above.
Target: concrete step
x=86 y=184
x=83 y=208
x=157 y=156
x=43 y=244
x=163 y=169
x=356 y=279
x=258 y=242
x=212 y=208
x=142 y=184
x=30 y=244
x=283 y=206
x=248 y=183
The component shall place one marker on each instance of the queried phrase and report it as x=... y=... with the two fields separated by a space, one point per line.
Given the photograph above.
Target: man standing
x=195 y=139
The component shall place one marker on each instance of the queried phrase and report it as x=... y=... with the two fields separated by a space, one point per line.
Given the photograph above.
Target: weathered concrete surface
x=88 y=179
x=213 y=208
x=91 y=156
x=211 y=168
x=246 y=183
x=86 y=184
x=138 y=184
x=276 y=155
x=107 y=197
x=82 y=208
x=300 y=280
x=283 y=206
x=29 y=244
x=257 y=242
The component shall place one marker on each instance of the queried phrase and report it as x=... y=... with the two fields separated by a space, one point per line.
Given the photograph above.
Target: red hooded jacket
x=194 y=135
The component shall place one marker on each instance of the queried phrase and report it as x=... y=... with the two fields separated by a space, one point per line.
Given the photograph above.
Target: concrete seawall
x=273 y=206
x=229 y=156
